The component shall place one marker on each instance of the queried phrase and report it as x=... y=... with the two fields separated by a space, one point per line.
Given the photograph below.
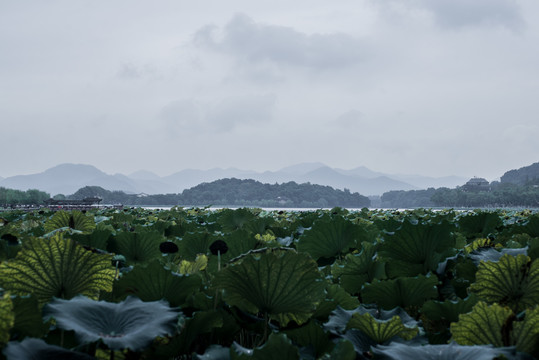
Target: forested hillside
x=528 y=175
x=235 y=192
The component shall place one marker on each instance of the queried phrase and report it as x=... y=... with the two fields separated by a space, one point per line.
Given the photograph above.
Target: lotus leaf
x=154 y=282
x=194 y=243
x=526 y=333
x=448 y=310
x=343 y=350
x=403 y=291
x=479 y=224
x=98 y=239
x=381 y=330
x=335 y=296
x=193 y=267
x=37 y=349
x=330 y=236
x=138 y=247
x=417 y=248
x=486 y=324
x=28 y=319
x=358 y=269
x=232 y=220
x=512 y=281
x=278 y=347
x=75 y=220
x=276 y=282
x=311 y=335
x=57 y=267
x=130 y=324
x=7 y=317
x=398 y=351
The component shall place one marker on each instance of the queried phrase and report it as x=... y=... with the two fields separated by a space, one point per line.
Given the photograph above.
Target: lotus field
x=195 y=283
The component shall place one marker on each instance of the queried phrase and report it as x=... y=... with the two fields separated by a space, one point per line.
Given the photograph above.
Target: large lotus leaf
x=154 y=282
x=399 y=351
x=403 y=291
x=417 y=248
x=335 y=296
x=526 y=333
x=381 y=330
x=479 y=224
x=28 y=319
x=278 y=347
x=357 y=269
x=311 y=335
x=194 y=243
x=139 y=247
x=276 y=282
x=130 y=324
x=486 y=324
x=232 y=220
x=75 y=220
x=7 y=318
x=37 y=349
x=512 y=281
x=330 y=237
x=57 y=267
x=98 y=239
x=448 y=311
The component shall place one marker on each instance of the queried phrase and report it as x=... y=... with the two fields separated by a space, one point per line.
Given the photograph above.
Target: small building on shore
x=476 y=184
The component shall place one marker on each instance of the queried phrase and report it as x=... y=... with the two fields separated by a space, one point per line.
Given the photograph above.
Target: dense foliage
x=15 y=197
x=527 y=175
x=192 y=283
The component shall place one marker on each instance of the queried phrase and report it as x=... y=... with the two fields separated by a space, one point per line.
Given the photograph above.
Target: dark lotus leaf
x=130 y=324
x=10 y=239
x=490 y=254
x=479 y=224
x=398 y=351
x=218 y=246
x=168 y=247
x=37 y=349
x=278 y=347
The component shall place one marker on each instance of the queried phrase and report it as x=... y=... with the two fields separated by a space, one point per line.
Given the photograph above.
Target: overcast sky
x=431 y=87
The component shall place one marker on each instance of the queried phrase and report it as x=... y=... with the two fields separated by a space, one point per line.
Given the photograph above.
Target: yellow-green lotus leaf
x=57 y=267
x=381 y=330
x=75 y=220
x=7 y=318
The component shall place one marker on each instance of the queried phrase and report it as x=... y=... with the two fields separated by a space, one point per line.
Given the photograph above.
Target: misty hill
x=67 y=178
x=236 y=192
x=523 y=176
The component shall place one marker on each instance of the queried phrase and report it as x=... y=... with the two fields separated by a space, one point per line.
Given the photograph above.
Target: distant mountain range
x=68 y=178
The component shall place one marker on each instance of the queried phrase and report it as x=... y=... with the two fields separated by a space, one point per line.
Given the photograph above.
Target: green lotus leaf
x=57 y=267
x=448 y=311
x=238 y=242
x=311 y=335
x=232 y=220
x=343 y=350
x=479 y=224
x=278 y=347
x=512 y=281
x=399 y=351
x=130 y=324
x=357 y=268
x=381 y=330
x=417 y=248
x=194 y=243
x=138 y=247
x=153 y=282
x=486 y=324
x=75 y=220
x=37 y=349
x=335 y=296
x=526 y=333
x=403 y=291
x=28 y=319
x=98 y=239
x=330 y=236
x=276 y=282
x=202 y=322
x=7 y=317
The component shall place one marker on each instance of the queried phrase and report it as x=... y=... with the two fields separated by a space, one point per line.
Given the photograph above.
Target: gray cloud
x=349 y=119
x=223 y=116
x=254 y=42
x=461 y=13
